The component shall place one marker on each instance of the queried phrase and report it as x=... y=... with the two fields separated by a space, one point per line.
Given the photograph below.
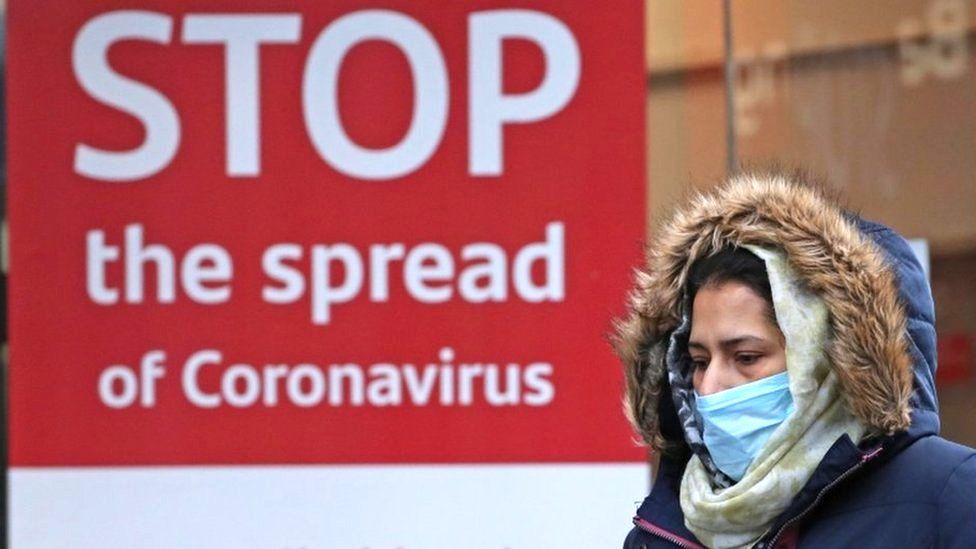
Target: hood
x=882 y=338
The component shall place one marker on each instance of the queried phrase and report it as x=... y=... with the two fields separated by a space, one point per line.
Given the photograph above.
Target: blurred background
x=877 y=96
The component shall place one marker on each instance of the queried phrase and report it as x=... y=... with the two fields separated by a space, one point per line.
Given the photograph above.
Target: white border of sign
x=306 y=507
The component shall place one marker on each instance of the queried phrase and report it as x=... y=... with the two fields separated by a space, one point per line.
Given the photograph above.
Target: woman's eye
x=699 y=363
x=747 y=359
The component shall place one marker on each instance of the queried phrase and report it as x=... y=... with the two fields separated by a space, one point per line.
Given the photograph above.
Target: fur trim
x=869 y=347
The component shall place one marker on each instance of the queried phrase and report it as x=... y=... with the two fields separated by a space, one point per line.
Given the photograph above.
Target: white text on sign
x=242 y=35
x=479 y=272
x=444 y=382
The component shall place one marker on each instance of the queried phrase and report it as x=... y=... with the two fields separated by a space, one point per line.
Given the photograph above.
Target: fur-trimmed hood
x=858 y=273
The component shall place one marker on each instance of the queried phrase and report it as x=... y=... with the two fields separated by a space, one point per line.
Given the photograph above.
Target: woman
x=779 y=356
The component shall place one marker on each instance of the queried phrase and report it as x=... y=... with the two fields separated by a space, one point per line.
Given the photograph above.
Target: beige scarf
x=739 y=515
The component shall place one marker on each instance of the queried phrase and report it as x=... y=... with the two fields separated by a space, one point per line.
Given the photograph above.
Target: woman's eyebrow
x=736 y=341
x=728 y=343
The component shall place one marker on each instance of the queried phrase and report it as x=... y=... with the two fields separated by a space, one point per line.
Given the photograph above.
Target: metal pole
x=731 y=150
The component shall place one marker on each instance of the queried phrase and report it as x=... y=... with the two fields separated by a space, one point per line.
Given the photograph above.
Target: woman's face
x=733 y=338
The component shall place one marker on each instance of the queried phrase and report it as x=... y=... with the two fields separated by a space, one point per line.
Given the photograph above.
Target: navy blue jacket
x=914 y=489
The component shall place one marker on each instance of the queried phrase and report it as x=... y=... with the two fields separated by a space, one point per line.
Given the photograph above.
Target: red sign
x=317 y=233
x=955 y=358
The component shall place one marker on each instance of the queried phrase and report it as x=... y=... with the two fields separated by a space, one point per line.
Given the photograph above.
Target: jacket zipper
x=864 y=459
x=662 y=533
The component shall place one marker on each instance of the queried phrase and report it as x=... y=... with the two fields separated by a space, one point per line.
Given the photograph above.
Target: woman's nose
x=714 y=379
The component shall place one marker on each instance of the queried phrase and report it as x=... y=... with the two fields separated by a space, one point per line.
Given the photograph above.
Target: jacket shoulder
x=924 y=496
x=920 y=473
x=957 y=507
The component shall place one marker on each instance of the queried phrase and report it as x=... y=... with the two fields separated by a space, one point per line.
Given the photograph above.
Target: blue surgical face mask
x=737 y=422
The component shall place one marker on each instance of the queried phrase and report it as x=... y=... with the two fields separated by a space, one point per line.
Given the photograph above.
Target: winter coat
x=903 y=485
